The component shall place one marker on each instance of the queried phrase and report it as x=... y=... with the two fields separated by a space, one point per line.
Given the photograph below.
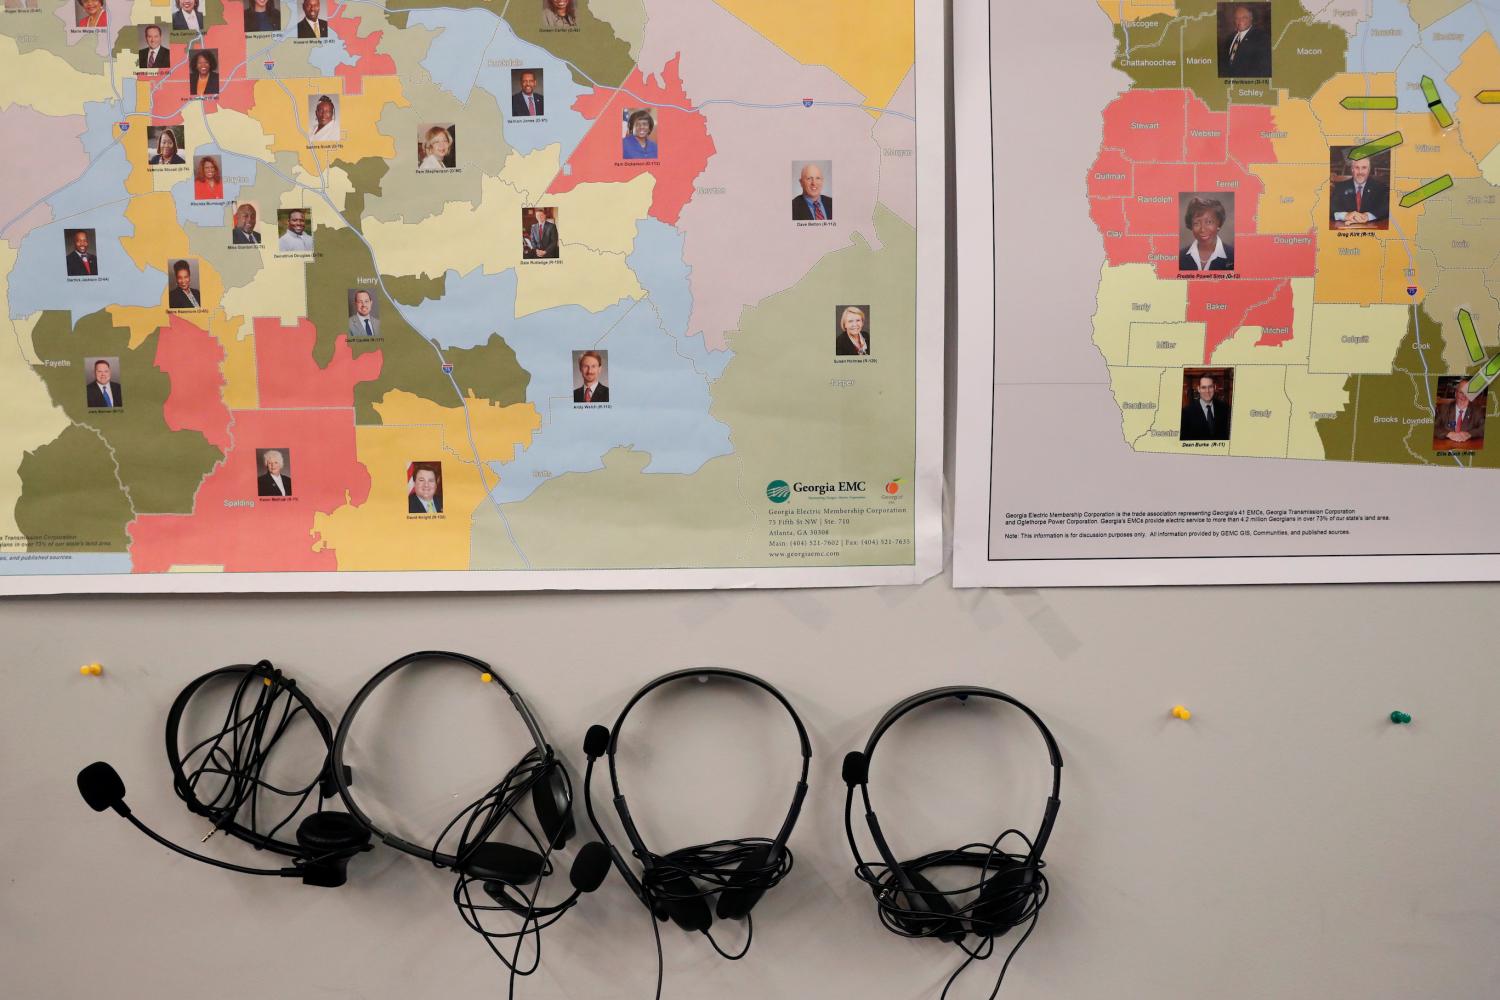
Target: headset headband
x=223 y=818
x=614 y=737
x=963 y=692
x=543 y=752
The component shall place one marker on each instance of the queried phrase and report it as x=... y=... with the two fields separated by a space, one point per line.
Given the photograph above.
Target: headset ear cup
x=503 y=863
x=688 y=910
x=1003 y=901
x=935 y=912
x=554 y=806
x=330 y=840
x=737 y=899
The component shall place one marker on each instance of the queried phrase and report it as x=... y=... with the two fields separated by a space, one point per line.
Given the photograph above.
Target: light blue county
x=212 y=215
x=1379 y=44
x=456 y=53
x=561 y=124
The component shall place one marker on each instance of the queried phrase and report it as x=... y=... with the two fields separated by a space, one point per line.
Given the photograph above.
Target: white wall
x=1287 y=842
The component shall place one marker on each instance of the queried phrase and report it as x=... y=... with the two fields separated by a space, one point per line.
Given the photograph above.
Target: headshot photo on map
x=323 y=118
x=1359 y=191
x=639 y=139
x=208 y=179
x=82 y=261
x=424 y=488
x=166 y=146
x=155 y=54
x=1207 y=233
x=262 y=16
x=364 y=313
x=527 y=99
x=813 y=182
x=851 y=336
x=182 y=284
x=560 y=15
x=590 y=376
x=1245 y=40
x=437 y=146
x=203 y=72
x=243 y=232
x=1458 y=416
x=1207 y=401
x=188 y=16
x=102 y=391
x=295 y=228
x=539 y=234
x=273 y=468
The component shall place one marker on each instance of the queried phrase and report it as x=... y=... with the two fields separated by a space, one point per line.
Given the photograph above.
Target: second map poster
x=1233 y=317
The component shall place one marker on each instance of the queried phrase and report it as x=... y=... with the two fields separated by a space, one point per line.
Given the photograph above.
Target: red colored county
x=225 y=45
x=288 y=375
x=368 y=62
x=192 y=359
x=681 y=137
x=1224 y=304
x=234 y=528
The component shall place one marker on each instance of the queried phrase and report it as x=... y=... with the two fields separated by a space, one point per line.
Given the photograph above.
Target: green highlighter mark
x=1436 y=186
x=1374 y=146
x=1435 y=103
x=1369 y=103
x=1471 y=336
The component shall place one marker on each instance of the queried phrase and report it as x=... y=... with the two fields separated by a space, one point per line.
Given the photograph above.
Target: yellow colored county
x=596 y=226
x=1356 y=340
x=839 y=35
x=1364 y=267
x=1291 y=196
x=1261 y=413
x=1162 y=345
x=1298 y=137
x=284 y=108
x=1134 y=10
x=380 y=534
x=1138 y=393
x=1162 y=436
x=1130 y=293
x=42 y=81
x=1314 y=398
x=1427 y=152
x=497 y=431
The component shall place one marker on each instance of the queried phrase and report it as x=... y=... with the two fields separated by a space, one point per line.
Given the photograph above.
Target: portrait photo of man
x=244 y=232
x=526 y=99
x=274 y=479
x=588 y=384
x=810 y=204
x=1207 y=230
x=81 y=260
x=1359 y=190
x=295 y=234
x=424 y=488
x=311 y=26
x=539 y=234
x=103 y=391
x=1458 y=421
x=1244 y=40
x=184 y=289
x=154 y=53
x=364 y=320
x=188 y=15
x=1206 y=412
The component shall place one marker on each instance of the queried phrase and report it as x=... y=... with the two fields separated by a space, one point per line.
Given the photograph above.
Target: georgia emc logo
x=778 y=491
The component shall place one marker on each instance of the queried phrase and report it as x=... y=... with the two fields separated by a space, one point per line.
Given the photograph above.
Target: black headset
x=1011 y=888
x=501 y=868
x=739 y=871
x=325 y=841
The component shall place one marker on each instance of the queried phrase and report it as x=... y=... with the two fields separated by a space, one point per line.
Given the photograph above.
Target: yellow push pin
x=1179 y=712
x=486 y=677
x=266 y=681
x=91 y=669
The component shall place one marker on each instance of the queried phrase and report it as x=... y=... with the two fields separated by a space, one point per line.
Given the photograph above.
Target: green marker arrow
x=1435 y=103
x=1373 y=103
x=1421 y=194
x=1488 y=97
x=1374 y=146
x=1471 y=336
x=1480 y=380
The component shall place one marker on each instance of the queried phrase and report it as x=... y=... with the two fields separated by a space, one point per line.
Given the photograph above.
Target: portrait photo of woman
x=262 y=15
x=1205 y=216
x=325 y=114
x=437 y=149
x=639 y=142
x=203 y=72
x=560 y=14
x=853 y=336
x=208 y=182
x=166 y=149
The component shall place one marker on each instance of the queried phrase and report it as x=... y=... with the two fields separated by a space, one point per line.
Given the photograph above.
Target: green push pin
x=1401 y=718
